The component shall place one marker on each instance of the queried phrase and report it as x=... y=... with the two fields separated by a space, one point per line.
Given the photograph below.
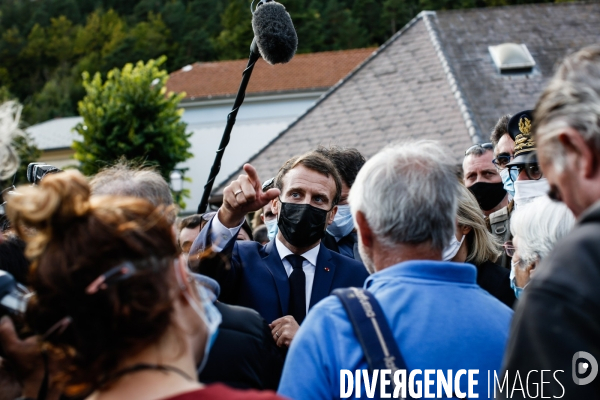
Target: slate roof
x=435 y=79
x=550 y=31
x=304 y=72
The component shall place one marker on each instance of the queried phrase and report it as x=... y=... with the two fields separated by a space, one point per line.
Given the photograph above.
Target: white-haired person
x=473 y=243
x=10 y=113
x=433 y=316
x=536 y=227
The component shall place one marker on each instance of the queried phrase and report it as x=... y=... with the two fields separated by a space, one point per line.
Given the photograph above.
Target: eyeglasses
x=509 y=248
x=501 y=161
x=485 y=146
x=532 y=169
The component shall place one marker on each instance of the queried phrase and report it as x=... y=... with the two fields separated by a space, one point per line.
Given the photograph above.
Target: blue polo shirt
x=440 y=318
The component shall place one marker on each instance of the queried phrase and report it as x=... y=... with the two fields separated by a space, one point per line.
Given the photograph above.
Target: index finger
x=253 y=176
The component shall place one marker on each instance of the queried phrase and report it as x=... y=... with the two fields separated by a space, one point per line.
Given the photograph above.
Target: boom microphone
x=276 y=41
x=274 y=32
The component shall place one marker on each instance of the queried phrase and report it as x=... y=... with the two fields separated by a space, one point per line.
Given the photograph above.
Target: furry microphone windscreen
x=274 y=32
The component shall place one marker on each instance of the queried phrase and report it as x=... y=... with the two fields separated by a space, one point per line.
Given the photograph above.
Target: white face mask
x=452 y=248
x=211 y=317
x=527 y=191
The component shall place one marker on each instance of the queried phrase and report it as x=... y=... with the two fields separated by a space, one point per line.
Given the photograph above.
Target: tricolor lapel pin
x=326 y=269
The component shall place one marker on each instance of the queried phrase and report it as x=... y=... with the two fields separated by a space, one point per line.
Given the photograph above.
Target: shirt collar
x=425 y=269
x=310 y=256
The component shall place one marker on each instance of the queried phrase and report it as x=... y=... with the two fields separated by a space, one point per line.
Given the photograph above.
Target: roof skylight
x=512 y=58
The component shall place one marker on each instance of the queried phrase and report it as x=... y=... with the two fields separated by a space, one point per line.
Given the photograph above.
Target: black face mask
x=488 y=195
x=301 y=224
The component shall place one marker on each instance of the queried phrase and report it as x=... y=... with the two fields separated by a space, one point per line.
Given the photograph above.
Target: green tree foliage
x=130 y=115
x=234 y=40
x=46 y=45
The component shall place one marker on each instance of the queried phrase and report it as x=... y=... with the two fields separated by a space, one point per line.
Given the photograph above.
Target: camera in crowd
x=37 y=170
x=13 y=296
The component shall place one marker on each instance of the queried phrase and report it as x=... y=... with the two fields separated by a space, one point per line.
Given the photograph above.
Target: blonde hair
x=482 y=245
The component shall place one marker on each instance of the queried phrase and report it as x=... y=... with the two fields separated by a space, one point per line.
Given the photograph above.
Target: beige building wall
x=60 y=158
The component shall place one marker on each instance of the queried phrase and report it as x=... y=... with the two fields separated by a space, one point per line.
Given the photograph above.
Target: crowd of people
x=402 y=262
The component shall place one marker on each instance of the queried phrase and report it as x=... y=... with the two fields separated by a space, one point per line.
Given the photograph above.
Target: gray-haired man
x=404 y=203
x=556 y=326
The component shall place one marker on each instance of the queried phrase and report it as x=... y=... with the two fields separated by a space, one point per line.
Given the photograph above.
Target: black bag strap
x=372 y=330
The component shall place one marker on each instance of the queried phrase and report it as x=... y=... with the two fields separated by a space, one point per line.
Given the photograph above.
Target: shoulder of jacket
x=345 y=262
x=499 y=216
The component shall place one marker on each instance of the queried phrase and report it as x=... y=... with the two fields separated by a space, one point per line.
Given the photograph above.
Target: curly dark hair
x=500 y=129
x=347 y=161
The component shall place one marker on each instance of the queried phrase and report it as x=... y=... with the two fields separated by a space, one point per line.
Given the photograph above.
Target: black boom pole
x=239 y=99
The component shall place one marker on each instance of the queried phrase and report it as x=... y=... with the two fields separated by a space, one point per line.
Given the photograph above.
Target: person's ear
x=262 y=217
x=363 y=229
x=579 y=153
x=331 y=215
x=275 y=206
x=465 y=230
x=531 y=268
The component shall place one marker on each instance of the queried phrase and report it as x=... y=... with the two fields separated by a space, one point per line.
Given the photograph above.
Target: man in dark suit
x=285 y=278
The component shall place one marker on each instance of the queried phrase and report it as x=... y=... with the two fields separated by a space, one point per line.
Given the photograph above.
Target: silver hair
x=408 y=193
x=571 y=99
x=10 y=114
x=125 y=180
x=538 y=226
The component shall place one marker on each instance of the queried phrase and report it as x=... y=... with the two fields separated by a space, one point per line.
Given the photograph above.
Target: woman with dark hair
x=115 y=304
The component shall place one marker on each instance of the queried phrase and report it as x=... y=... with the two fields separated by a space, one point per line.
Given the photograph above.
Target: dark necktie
x=297 y=288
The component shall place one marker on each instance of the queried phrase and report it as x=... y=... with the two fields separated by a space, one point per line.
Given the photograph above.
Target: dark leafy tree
x=45 y=45
x=130 y=115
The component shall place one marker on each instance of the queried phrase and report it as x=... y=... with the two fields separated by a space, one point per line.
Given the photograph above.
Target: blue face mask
x=205 y=309
x=211 y=318
x=517 y=290
x=509 y=184
x=342 y=224
x=513 y=280
x=272 y=229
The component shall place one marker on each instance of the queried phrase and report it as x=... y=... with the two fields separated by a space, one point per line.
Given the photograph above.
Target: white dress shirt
x=308 y=265
x=220 y=235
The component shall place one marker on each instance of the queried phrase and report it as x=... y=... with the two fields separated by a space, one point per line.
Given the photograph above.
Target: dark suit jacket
x=496 y=280
x=558 y=316
x=351 y=240
x=256 y=277
x=244 y=355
